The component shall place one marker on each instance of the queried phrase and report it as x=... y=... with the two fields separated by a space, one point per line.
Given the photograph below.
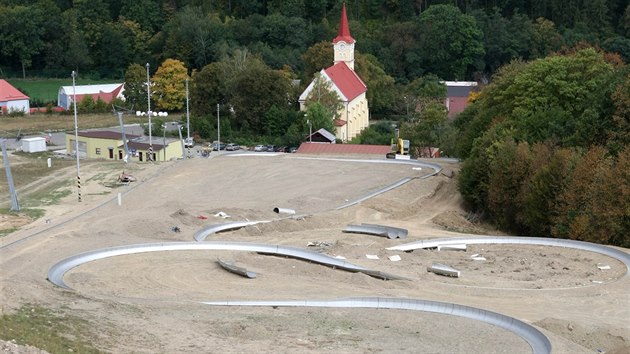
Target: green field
x=45 y=90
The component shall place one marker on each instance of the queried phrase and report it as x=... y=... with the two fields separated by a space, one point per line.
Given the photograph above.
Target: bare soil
x=149 y=303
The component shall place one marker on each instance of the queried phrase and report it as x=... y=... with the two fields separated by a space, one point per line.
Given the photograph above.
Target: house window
x=98 y=151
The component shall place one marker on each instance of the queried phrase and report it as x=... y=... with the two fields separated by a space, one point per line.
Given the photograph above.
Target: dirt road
x=149 y=302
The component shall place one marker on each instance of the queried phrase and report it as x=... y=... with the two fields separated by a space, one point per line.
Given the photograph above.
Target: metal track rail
x=58 y=270
x=539 y=343
x=521 y=240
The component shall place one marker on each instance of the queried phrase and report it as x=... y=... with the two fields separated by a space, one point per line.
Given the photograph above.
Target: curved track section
x=539 y=343
x=580 y=245
x=213 y=229
x=58 y=270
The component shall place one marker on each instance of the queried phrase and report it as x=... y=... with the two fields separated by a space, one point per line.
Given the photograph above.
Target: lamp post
x=164 y=140
x=76 y=132
x=149 y=111
x=407 y=105
x=187 y=116
x=218 y=131
x=310 y=128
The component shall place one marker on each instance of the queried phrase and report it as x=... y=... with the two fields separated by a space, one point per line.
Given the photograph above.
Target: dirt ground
x=149 y=302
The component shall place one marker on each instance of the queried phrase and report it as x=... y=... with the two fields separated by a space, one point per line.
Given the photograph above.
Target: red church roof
x=348 y=82
x=10 y=93
x=344 y=29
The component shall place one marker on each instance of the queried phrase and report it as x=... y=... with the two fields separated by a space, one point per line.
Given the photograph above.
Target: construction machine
x=400 y=149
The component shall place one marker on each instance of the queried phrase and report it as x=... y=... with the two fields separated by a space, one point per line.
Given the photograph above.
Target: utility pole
x=187 y=115
x=76 y=133
x=14 y=202
x=124 y=138
x=218 y=131
x=149 y=113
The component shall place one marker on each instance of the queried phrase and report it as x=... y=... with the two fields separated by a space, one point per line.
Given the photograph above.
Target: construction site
x=299 y=253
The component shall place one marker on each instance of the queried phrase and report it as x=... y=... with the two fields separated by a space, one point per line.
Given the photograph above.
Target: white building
x=12 y=100
x=106 y=92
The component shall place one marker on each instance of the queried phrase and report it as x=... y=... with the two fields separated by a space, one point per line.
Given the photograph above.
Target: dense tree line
x=547 y=148
x=408 y=38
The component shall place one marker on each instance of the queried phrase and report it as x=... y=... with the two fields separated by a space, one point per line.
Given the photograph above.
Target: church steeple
x=344 y=43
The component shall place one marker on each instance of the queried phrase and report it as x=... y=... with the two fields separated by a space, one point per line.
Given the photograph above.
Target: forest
x=545 y=142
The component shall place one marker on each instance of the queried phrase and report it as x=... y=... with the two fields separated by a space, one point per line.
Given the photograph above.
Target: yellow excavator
x=400 y=149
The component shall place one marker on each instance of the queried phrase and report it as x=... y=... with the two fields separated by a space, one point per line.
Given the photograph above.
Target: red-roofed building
x=106 y=92
x=12 y=100
x=457 y=94
x=354 y=115
x=343 y=149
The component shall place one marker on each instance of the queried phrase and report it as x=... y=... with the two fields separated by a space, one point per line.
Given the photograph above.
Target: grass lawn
x=54 y=332
x=45 y=90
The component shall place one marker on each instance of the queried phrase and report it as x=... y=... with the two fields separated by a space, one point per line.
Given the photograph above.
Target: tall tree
x=381 y=91
x=144 y=12
x=136 y=87
x=319 y=56
x=325 y=95
x=450 y=43
x=169 y=90
x=21 y=34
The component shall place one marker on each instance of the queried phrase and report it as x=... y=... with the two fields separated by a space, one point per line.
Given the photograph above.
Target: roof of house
x=343 y=149
x=10 y=93
x=344 y=28
x=326 y=134
x=138 y=145
x=339 y=122
x=104 y=134
x=459 y=88
x=92 y=89
x=346 y=80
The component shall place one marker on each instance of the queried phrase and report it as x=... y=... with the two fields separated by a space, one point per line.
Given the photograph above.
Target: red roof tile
x=343 y=149
x=348 y=82
x=344 y=28
x=10 y=93
x=339 y=123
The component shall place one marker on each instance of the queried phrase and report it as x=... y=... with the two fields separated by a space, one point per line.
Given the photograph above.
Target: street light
x=218 y=131
x=188 y=142
x=155 y=114
x=310 y=128
x=164 y=140
x=149 y=112
x=76 y=132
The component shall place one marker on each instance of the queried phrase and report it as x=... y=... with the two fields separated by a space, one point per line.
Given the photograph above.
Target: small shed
x=37 y=144
x=322 y=136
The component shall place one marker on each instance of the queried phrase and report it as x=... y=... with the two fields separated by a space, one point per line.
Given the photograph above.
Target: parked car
x=260 y=148
x=232 y=147
x=271 y=148
x=215 y=147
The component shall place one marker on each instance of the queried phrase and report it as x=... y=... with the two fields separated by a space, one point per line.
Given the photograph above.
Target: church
x=354 y=115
